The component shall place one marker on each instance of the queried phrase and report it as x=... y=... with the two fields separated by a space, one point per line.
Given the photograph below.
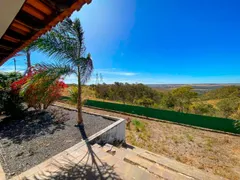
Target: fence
x=221 y=124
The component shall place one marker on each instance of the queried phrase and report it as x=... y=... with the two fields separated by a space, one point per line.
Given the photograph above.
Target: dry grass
x=212 y=152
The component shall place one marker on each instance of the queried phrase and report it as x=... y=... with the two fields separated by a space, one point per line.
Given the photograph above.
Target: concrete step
x=114 y=157
x=131 y=158
x=172 y=164
x=155 y=168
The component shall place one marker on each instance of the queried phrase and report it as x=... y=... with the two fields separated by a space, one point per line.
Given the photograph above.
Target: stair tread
x=155 y=168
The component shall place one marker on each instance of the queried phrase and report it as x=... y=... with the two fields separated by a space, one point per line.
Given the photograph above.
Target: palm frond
x=30 y=47
x=48 y=74
x=57 y=46
x=86 y=68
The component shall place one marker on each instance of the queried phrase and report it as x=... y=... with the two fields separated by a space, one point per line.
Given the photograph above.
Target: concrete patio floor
x=85 y=161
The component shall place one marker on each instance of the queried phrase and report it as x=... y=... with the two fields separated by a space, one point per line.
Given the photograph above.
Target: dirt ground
x=213 y=152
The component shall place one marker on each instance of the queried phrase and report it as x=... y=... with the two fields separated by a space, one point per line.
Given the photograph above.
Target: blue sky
x=159 y=41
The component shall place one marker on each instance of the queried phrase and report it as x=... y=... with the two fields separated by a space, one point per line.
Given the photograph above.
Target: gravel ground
x=28 y=142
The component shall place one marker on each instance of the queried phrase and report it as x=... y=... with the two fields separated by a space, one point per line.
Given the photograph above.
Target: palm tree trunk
x=79 y=99
x=28 y=60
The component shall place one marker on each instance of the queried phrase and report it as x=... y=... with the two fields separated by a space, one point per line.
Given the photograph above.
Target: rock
x=19 y=154
x=12 y=173
x=30 y=153
x=6 y=143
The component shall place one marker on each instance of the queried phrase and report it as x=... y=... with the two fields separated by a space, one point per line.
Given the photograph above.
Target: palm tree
x=27 y=51
x=65 y=43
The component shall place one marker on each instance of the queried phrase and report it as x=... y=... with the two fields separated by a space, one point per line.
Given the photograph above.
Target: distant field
x=200 y=88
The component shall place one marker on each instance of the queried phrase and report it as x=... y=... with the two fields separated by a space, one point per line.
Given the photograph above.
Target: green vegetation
x=225 y=101
x=128 y=93
x=182 y=98
x=6 y=79
x=10 y=103
x=65 y=43
x=138 y=132
x=87 y=93
x=224 y=92
x=228 y=106
x=203 y=109
x=139 y=126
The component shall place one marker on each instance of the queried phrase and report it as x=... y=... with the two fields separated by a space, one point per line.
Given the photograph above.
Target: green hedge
x=214 y=123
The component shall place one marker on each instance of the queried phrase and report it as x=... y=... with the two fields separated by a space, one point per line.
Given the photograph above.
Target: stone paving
x=85 y=161
x=2 y=174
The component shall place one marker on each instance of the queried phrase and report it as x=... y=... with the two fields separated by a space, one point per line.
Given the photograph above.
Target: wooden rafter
x=33 y=11
x=11 y=39
x=21 y=26
x=35 y=18
x=40 y=6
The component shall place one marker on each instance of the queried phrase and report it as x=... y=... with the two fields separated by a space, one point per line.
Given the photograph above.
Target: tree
x=228 y=106
x=203 y=109
x=65 y=43
x=182 y=97
x=167 y=101
x=27 y=51
x=146 y=102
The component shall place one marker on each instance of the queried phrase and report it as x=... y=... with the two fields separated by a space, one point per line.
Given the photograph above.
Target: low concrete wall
x=113 y=134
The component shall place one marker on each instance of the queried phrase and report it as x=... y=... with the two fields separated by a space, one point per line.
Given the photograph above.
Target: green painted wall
x=214 y=123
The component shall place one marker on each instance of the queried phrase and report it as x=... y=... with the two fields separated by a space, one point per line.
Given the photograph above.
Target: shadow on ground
x=89 y=167
x=34 y=124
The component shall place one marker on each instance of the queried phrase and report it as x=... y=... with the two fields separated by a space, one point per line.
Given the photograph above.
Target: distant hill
x=200 y=88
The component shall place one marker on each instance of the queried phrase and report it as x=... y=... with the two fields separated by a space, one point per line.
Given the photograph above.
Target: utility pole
x=15 y=64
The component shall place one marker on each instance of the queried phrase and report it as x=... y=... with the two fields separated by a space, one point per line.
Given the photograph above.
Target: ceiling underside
x=34 y=18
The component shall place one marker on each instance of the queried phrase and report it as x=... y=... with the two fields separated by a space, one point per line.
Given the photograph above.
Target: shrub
x=87 y=93
x=228 y=106
x=10 y=104
x=138 y=125
x=182 y=98
x=203 y=109
x=237 y=124
x=73 y=92
x=6 y=79
x=38 y=94
x=146 y=102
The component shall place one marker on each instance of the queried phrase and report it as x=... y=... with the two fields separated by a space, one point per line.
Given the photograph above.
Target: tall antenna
x=101 y=78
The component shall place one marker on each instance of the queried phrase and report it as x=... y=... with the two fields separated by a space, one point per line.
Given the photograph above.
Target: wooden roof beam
x=11 y=39
x=30 y=21
x=21 y=26
x=40 y=6
x=33 y=11
x=17 y=35
x=5 y=47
